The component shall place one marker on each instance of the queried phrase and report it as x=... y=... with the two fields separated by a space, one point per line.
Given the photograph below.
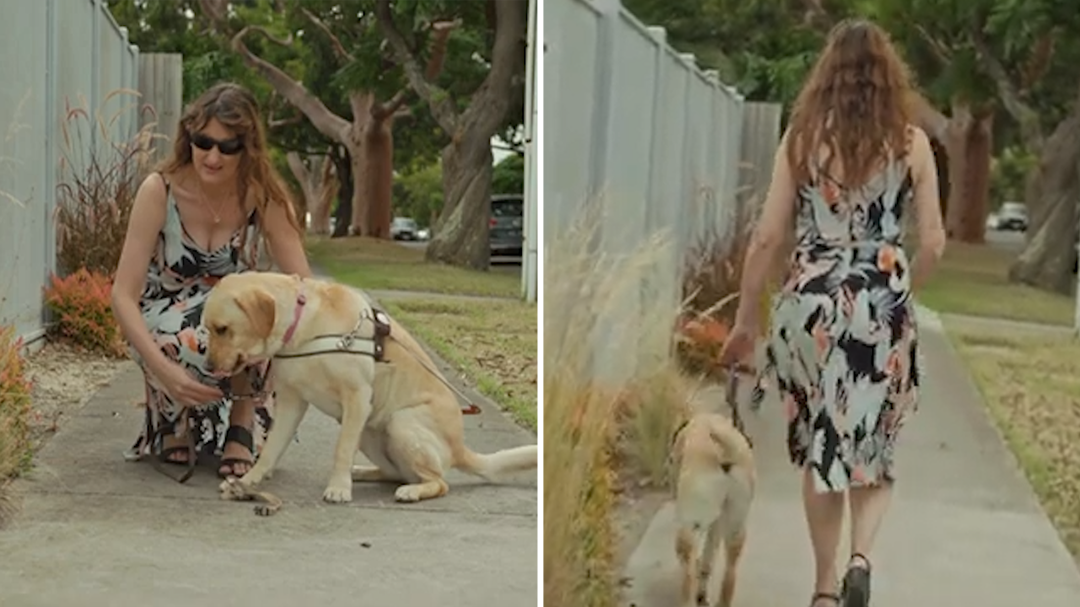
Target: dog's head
x=239 y=316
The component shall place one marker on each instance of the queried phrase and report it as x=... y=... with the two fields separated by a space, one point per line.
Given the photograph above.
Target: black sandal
x=162 y=458
x=241 y=436
x=827 y=596
x=856 y=586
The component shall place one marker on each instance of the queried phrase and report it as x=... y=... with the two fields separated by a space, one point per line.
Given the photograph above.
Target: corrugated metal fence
x=58 y=55
x=634 y=127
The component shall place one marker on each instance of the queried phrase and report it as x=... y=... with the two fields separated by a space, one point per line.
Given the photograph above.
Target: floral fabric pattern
x=180 y=277
x=843 y=349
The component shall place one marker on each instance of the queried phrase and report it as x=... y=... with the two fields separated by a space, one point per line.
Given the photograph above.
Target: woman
x=842 y=349
x=203 y=215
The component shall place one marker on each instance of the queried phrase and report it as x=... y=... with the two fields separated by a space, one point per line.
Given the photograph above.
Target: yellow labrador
x=398 y=413
x=714 y=487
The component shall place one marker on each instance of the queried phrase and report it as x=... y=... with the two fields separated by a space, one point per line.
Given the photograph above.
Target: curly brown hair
x=237 y=110
x=856 y=103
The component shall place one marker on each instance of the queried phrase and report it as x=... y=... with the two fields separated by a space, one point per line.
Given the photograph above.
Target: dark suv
x=507 y=221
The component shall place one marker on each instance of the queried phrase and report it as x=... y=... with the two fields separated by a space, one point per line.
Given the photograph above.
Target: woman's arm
x=770 y=235
x=144 y=226
x=286 y=247
x=927 y=210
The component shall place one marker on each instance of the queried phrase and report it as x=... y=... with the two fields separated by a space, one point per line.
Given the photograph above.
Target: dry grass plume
x=608 y=402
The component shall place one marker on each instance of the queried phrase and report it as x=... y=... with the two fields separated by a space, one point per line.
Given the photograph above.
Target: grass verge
x=1031 y=385
x=493 y=343
x=606 y=357
x=973 y=280
x=386 y=265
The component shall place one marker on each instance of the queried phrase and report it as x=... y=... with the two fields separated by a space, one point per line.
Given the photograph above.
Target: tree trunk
x=379 y=176
x=968 y=148
x=315 y=180
x=343 y=214
x=368 y=137
x=372 y=145
x=320 y=218
x=461 y=236
x=1047 y=260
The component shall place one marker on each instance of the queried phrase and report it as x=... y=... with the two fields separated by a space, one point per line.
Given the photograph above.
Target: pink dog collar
x=301 y=299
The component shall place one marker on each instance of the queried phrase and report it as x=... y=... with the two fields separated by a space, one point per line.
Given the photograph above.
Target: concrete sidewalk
x=97 y=531
x=965 y=528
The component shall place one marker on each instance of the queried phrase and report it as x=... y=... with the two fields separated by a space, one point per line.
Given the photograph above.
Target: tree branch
x=930 y=119
x=324 y=120
x=335 y=42
x=816 y=14
x=490 y=102
x=297 y=166
x=273 y=123
x=941 y=52
x=442 y=107
x=434 y=67
x=1038 y=62
x=382 y=111
x=1024 y=114
x=276 y=124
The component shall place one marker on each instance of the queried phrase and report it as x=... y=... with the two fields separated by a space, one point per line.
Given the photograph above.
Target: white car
x=403 y=228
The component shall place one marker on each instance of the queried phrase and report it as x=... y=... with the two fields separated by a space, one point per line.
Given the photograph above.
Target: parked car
x=1012 y=216
x=507 y=220
x=403 y=228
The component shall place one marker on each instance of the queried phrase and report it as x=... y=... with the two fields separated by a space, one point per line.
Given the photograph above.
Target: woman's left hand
x=739 y=345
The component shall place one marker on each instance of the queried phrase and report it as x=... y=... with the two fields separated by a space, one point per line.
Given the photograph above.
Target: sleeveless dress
x=842 y=347
x=180 y=276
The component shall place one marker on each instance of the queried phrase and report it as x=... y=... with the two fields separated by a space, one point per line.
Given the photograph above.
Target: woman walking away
x=842 y=348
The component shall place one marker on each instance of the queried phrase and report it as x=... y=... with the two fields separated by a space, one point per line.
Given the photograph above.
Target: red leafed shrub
x=82 y=304
x=14 y=409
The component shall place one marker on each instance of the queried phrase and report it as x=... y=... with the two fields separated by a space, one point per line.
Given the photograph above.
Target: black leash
x=733 y=400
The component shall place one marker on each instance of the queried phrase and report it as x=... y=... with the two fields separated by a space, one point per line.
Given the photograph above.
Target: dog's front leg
x=355 y=410
x=289 y=410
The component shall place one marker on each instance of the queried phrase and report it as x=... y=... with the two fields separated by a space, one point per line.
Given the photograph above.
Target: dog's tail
x=701 y=497
x=490 y=466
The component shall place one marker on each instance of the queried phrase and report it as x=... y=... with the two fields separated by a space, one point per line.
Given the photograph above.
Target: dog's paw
x=408 y=493
x=232 y=489
x=337 y=495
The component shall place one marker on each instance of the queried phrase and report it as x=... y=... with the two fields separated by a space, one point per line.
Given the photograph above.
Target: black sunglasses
x=227 y=147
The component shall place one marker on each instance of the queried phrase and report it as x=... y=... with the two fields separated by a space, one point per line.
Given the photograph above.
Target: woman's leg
x=868 y=507
x=824 y=517
x=163 y=415
x=236 y=455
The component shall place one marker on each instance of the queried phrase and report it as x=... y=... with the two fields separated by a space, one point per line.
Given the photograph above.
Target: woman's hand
x=739 y=345
x=183 y=388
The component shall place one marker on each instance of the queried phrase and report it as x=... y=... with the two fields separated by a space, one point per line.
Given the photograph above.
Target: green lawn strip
x=389 y=266
x=492 y=344
x=972 y=280
x=1029 y=383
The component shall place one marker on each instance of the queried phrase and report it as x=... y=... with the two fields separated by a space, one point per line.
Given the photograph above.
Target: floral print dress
x=180 y=277
x=842 y=347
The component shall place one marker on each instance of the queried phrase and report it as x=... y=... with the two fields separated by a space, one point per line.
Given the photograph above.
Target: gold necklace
x=202 y=196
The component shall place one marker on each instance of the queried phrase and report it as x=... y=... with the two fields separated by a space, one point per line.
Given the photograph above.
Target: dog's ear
x=261 y=310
